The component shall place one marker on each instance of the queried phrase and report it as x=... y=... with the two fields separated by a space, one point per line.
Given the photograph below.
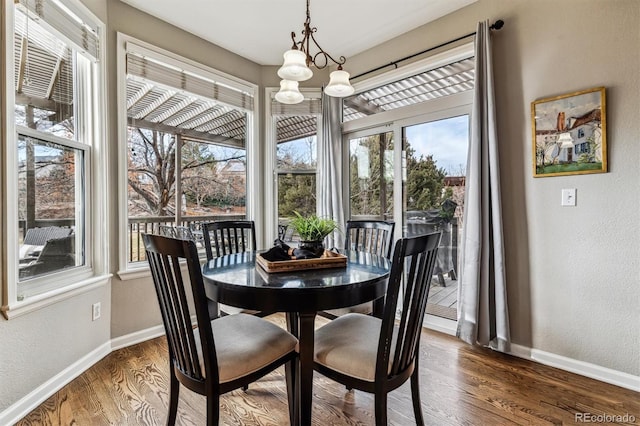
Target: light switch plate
x=569 y=197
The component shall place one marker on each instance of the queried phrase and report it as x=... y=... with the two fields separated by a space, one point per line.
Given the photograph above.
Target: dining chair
x=228 y=237
x=378 y=355
x=372 y=236
x=216 y=356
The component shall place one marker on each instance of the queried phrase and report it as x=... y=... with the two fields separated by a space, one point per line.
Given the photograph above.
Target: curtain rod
x=496 y=26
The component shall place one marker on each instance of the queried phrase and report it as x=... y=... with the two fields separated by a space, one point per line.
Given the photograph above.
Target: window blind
x=306 y=107
x=72 y=25
x=167 y=75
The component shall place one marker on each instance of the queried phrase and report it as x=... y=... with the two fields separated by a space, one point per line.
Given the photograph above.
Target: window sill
x=135 y=273
x=33 y=303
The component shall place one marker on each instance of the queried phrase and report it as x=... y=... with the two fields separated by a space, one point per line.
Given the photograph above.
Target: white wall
x=39 y=345
x=573 y=273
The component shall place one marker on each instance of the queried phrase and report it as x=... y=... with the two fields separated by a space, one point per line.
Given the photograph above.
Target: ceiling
x=345 y=28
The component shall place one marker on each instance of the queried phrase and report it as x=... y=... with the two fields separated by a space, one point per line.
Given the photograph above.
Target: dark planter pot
x=317 y=247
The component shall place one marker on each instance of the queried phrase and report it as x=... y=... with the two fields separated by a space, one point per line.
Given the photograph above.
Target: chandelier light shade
x=339 y=85
x=297 y=67
x=289 y=93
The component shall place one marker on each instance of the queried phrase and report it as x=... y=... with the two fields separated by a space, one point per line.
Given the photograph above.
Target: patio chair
x=57 y=253
x=179 y=232
x=219 y=355
x=39 y=236
x=379 y=355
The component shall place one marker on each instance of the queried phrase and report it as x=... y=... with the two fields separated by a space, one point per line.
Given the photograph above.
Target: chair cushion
x=245 y=344
x=363 y=308
x=349 y=345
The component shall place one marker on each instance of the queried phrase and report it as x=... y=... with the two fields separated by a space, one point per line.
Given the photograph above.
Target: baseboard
x=24 y=406
x=137 y=337
x=593 y=371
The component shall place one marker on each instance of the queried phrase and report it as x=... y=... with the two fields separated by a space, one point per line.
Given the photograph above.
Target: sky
x=447 y=140
x=546 y=112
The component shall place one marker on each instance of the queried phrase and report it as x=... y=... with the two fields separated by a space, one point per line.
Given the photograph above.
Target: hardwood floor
x=460 y=385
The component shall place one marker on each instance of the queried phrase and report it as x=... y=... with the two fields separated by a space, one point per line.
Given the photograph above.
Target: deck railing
x=151 y=225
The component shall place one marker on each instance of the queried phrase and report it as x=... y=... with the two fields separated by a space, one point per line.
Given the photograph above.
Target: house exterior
x=572 y=273
x=585 y=145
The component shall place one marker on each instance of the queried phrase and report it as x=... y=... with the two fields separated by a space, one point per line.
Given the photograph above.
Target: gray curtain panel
x=483 y=317
x=329 y=177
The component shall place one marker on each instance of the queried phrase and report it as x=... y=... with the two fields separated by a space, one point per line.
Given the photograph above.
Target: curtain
x=329 y=176
x=483 y=317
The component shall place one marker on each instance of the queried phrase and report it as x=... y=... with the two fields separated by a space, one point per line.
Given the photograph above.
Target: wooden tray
x=329 y=259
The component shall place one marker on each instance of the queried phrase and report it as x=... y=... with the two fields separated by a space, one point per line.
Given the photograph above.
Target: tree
x=297 y=191
x=425 y=182
x=371 y=182
x=152 y=170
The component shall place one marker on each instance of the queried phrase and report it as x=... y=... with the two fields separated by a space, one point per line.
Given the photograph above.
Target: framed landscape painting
x=569 y=134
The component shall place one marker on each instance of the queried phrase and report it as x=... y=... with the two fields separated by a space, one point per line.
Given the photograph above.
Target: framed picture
x=570 y=134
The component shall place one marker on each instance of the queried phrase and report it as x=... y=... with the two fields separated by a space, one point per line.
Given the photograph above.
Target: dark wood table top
x=239 y=281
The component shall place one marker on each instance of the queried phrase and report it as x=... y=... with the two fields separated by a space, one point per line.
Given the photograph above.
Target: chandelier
x=297 y=63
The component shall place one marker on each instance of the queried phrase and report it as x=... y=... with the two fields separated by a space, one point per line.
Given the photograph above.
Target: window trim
x=134 y=270
x=95 y=271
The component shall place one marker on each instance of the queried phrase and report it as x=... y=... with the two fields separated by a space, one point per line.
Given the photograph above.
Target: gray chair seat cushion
x=363 y=308
x=245 y=344
x=349 y=345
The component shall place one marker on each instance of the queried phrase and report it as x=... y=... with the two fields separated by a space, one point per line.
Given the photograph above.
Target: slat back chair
x=218 y=355
x=378 y=355
x=373 y=236
x=228 y=237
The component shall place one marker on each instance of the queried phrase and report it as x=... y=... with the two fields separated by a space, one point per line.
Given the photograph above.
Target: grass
x=568 y=168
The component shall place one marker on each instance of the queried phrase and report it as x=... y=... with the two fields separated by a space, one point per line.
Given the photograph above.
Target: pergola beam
x=187 y=133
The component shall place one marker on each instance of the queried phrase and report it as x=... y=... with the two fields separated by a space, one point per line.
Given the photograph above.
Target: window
x=54 y=60
x=293 y=136
x=418 y=181
x=371 y=174
x=188 y=134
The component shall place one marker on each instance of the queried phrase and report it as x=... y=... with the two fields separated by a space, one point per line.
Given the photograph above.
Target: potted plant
x=312 y=231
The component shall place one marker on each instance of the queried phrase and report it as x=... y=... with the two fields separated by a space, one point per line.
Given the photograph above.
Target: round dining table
x=238 y=280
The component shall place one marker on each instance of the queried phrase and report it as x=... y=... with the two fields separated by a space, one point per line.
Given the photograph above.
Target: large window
x=294 y=139
x=52 y=132
x=188 y=130
x=420 y=182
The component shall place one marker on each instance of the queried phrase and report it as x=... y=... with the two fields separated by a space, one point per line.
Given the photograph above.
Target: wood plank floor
x=460 y=385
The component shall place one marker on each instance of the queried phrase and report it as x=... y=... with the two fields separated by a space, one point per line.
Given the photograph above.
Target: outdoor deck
x=443 y=301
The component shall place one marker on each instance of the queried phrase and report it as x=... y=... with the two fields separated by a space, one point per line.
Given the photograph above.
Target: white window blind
x=308 y=106
x=70 y=24
x=164 y=74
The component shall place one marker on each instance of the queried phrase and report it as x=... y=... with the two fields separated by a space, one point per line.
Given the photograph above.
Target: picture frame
x=570 y=134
